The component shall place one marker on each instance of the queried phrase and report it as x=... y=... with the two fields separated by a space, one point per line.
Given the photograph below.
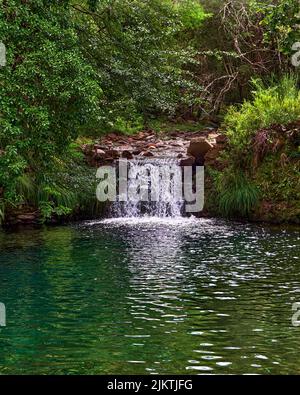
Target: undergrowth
x=66 y=190
x=278 y=103
x=237 y=194
x=262 y=159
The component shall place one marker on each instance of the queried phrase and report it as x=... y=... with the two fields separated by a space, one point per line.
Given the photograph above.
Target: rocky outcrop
x=190 y=148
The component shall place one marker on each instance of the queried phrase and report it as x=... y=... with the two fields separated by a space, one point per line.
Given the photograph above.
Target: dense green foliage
x=271 y=104
x=262 y=162
x=68 y=188
x=280 y=23
x=254 y=38
x=48 y=93
x=134 y=45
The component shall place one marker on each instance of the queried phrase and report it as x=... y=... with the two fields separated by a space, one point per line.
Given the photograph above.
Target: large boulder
x=199 y=147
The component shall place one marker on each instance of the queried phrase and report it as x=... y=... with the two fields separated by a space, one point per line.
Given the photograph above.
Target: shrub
x=262 y=136
x=237 y=194
x=276 y=104
x=69 y=188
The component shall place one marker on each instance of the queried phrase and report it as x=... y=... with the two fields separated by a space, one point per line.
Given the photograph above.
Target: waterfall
x=154 y=189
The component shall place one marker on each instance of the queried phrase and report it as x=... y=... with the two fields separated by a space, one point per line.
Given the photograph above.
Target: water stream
x=151 y=190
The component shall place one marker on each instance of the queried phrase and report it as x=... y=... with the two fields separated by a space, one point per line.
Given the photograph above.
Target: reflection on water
x=182 y=296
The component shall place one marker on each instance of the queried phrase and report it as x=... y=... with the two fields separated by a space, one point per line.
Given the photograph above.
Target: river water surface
x=169 y=296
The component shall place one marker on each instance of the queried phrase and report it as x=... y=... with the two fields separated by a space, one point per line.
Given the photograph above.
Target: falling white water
x=158 y=182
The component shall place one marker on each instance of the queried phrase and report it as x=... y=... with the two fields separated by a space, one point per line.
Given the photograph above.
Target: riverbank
x=279 y=192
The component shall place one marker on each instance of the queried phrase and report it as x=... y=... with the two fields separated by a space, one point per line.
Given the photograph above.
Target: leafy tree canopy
x=48 y=91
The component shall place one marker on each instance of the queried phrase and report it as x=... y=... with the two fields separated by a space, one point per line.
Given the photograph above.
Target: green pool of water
x=135 y=297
